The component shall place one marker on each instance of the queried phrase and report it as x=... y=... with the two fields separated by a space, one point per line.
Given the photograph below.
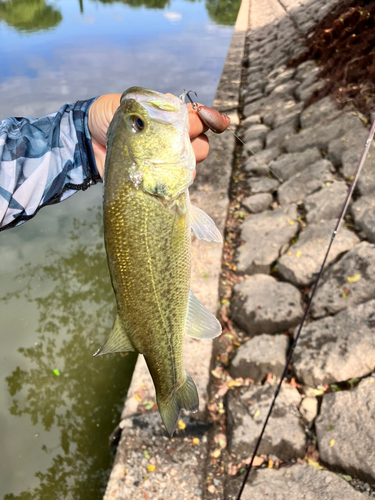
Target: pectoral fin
x=118 y=341
x=203 y=226
x=200 y=322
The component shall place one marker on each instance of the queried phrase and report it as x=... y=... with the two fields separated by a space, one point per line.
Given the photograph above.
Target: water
x=58 y=405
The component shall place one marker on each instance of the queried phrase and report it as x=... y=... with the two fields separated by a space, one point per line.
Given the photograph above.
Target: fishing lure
x=214 y=120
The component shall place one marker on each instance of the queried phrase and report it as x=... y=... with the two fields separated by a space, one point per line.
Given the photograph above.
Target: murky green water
x=58 y=405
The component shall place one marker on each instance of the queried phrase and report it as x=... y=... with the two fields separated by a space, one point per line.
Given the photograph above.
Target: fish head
x=151 y=132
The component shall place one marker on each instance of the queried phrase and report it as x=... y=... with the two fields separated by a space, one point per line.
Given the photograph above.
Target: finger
x=200 y=147
x=197 y=127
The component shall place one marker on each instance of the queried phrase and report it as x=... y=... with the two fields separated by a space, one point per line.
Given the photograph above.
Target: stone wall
x=292 y=191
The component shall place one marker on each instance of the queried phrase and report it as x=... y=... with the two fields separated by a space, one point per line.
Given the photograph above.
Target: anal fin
x=203 y=226
x=118 y=340
x=200 y=322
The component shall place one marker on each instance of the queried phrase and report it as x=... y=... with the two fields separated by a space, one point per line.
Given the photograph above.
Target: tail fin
x=185 y=397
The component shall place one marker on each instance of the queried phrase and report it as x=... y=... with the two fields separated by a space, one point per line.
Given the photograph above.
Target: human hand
x=101 y=113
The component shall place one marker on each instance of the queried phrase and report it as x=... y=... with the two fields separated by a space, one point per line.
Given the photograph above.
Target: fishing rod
x=296 y=337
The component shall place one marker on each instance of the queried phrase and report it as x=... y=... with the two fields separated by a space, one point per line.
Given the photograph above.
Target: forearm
x=44 y=161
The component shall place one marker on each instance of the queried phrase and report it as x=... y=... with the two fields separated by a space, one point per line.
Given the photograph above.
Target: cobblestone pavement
x=292 y=192
x=321 y=432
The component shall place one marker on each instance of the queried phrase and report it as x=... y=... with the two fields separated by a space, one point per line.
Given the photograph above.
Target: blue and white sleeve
x=44 y=161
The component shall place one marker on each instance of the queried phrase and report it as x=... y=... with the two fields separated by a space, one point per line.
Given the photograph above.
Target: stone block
x=258 y=164
x=306 y=182
x=259 y=356
x=345 y=430
x=320 y=136
x=263 y=185
x=363 y=211
x=304 y=93
x=254 y=132
x=280 y=135
x=251 y=120
x=284 y=435
x=298 y=482
x=352 y=140
x=289 y=164
x=319 y=112
x=257 y=202
x=349 y=282
x=301 y=264
x=263 y=305
x=366 y=179
x=337 y=348
x=327 y=203
x=265 y=237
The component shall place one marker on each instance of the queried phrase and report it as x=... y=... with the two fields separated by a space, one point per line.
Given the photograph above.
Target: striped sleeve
x=44 y=161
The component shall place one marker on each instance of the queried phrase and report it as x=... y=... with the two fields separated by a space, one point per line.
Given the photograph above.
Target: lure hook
x=194 y=104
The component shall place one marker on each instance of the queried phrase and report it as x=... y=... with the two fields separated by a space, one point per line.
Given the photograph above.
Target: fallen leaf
x=221 y=440
x=216 y=373
x=345 y=476
x=354 y=279
x=216 y=453
x=137 y=398
x=148 y=405
x=319 y=391
x=335 y=388
x=256 y=462
x=299 y=253
x=146 y=454
x=316 y=465
x=332 y=443
x=330 y=428
x=56 y=372
x=256 y=414
x=235 y=383
x=181 y=425
x=270 y=464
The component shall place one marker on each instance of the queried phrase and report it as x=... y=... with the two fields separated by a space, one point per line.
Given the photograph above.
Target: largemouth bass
x=147 y=226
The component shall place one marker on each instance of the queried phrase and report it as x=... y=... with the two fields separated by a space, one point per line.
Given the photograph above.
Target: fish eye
x=137 y=124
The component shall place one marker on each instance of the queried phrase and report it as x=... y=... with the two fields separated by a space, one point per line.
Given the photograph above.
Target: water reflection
x=65 y=389
x=223 y=11
x=29 y=15
x=149 y=4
